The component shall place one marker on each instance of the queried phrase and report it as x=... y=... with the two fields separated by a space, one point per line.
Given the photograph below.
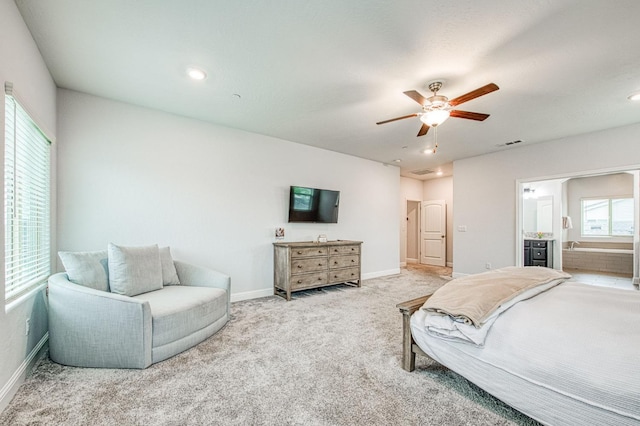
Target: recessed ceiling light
x=439 y=173
x=635 y=96
x=397 y=160
x=428 y=151
x=196 y=73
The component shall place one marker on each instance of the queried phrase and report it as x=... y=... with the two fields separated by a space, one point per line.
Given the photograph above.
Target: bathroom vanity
x=538 y=252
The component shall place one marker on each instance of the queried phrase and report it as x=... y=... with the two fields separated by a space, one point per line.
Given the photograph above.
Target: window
x=26 y=201
x=608 y=217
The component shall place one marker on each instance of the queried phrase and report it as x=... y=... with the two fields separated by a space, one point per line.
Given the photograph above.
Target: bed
x=561 y=352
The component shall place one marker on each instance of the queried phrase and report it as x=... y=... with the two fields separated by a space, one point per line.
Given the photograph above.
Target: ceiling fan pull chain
x=435 y=138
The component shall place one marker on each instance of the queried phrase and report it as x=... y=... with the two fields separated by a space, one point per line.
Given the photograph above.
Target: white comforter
x=568 y=356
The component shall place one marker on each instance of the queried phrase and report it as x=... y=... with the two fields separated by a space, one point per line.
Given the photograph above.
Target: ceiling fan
x=437 y=108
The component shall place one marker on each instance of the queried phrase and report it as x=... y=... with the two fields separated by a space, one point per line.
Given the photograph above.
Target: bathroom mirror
x=537 y=214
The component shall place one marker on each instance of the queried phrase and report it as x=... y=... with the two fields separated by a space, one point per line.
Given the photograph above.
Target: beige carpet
x=328 y=357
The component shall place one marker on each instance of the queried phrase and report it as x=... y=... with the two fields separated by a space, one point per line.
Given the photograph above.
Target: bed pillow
x=134 y=270
x=169 y=273
x=87 y=268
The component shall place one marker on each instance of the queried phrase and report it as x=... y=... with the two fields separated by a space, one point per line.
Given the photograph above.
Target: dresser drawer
x=343 y=261
x=539 y=244
x=344 y=250
x=301 y=266
x=343 y=275
x=308 y=280
x=308 y=252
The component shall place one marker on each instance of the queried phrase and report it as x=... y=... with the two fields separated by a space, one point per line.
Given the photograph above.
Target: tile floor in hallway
x=607 y=279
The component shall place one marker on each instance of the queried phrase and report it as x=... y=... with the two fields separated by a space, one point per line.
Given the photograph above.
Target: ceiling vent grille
x=422 y=172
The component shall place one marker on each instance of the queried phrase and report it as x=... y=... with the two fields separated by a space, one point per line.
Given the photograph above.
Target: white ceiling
x=323 y=72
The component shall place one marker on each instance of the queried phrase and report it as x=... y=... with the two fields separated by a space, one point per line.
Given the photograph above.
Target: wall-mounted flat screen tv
x=313 y=205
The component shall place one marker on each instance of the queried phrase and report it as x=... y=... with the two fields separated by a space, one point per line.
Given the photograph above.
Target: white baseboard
x=450 y=264
x=11 y=387
x=380 y=274
x=255 y=294
x=410 y=260
x=403 y=264
x=458 y=274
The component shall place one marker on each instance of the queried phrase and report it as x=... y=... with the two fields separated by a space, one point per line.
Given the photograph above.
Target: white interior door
x=434 y=233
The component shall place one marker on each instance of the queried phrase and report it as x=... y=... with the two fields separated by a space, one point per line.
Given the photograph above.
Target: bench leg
x=408 y=356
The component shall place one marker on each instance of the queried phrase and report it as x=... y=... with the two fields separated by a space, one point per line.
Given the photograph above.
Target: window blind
x=26 y=201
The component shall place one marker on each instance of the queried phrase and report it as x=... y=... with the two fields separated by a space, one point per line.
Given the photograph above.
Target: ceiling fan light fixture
x=434 y=117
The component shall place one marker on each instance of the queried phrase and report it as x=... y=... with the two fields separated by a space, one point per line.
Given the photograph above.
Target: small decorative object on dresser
x=306 y=265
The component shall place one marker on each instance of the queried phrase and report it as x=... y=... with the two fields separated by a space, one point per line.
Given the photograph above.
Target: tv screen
x=313 y=205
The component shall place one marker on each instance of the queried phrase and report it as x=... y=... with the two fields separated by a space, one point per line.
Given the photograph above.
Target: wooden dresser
x=305 y=265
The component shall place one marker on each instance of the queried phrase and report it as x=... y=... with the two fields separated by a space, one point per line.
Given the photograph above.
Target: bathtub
x=599 y=259
x=599 y=250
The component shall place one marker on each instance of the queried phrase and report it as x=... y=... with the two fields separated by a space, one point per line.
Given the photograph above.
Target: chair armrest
x=203 y=277
x=93 y=328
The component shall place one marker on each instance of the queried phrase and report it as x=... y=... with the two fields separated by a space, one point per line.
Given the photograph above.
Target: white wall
x=485 y=188
x=22 y=65
x=442 y=189
x=136 y=176
x=410 y=189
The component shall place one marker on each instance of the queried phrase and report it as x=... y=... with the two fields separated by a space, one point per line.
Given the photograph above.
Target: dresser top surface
x=315 y=244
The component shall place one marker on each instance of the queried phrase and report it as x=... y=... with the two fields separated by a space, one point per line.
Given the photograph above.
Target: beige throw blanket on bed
x=472 y=299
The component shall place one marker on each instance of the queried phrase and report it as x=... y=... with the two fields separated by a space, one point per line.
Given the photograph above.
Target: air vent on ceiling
x=509 y=143
x=422 y=172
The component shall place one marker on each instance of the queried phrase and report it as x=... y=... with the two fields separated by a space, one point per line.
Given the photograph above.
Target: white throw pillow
x=134 y=270
x=169 y=273
x=87 y=268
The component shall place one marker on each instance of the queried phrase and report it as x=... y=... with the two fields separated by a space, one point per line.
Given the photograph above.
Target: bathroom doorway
x=595 y=232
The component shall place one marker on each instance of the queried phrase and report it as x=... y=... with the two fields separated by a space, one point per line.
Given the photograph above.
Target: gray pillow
x=87 y=268
x=169 y=273
x=134 y=270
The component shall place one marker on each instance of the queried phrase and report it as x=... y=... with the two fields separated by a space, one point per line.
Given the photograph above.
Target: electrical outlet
x=487 y=265
x=27 y=327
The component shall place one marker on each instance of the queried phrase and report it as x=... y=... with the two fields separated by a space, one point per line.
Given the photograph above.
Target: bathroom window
x=607 y=217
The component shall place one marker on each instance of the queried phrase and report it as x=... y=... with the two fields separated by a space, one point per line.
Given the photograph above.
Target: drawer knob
x=335 y=263
x=299 y=252
x=319 y=264
x=352 y=274
x=299 y=266
x=335 y=276
x=320 y=251
x=319 y=279
x=352 y=249
x=299 y=281
x=335 y=250
x=353 y=260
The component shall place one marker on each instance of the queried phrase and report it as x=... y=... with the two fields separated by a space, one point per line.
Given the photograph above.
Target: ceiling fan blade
x=474 y=94
x=478 y=116
x=397 y=118
x=416 y=97
x=423 y=130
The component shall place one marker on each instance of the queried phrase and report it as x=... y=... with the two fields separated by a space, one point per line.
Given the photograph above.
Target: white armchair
x=94 y=328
